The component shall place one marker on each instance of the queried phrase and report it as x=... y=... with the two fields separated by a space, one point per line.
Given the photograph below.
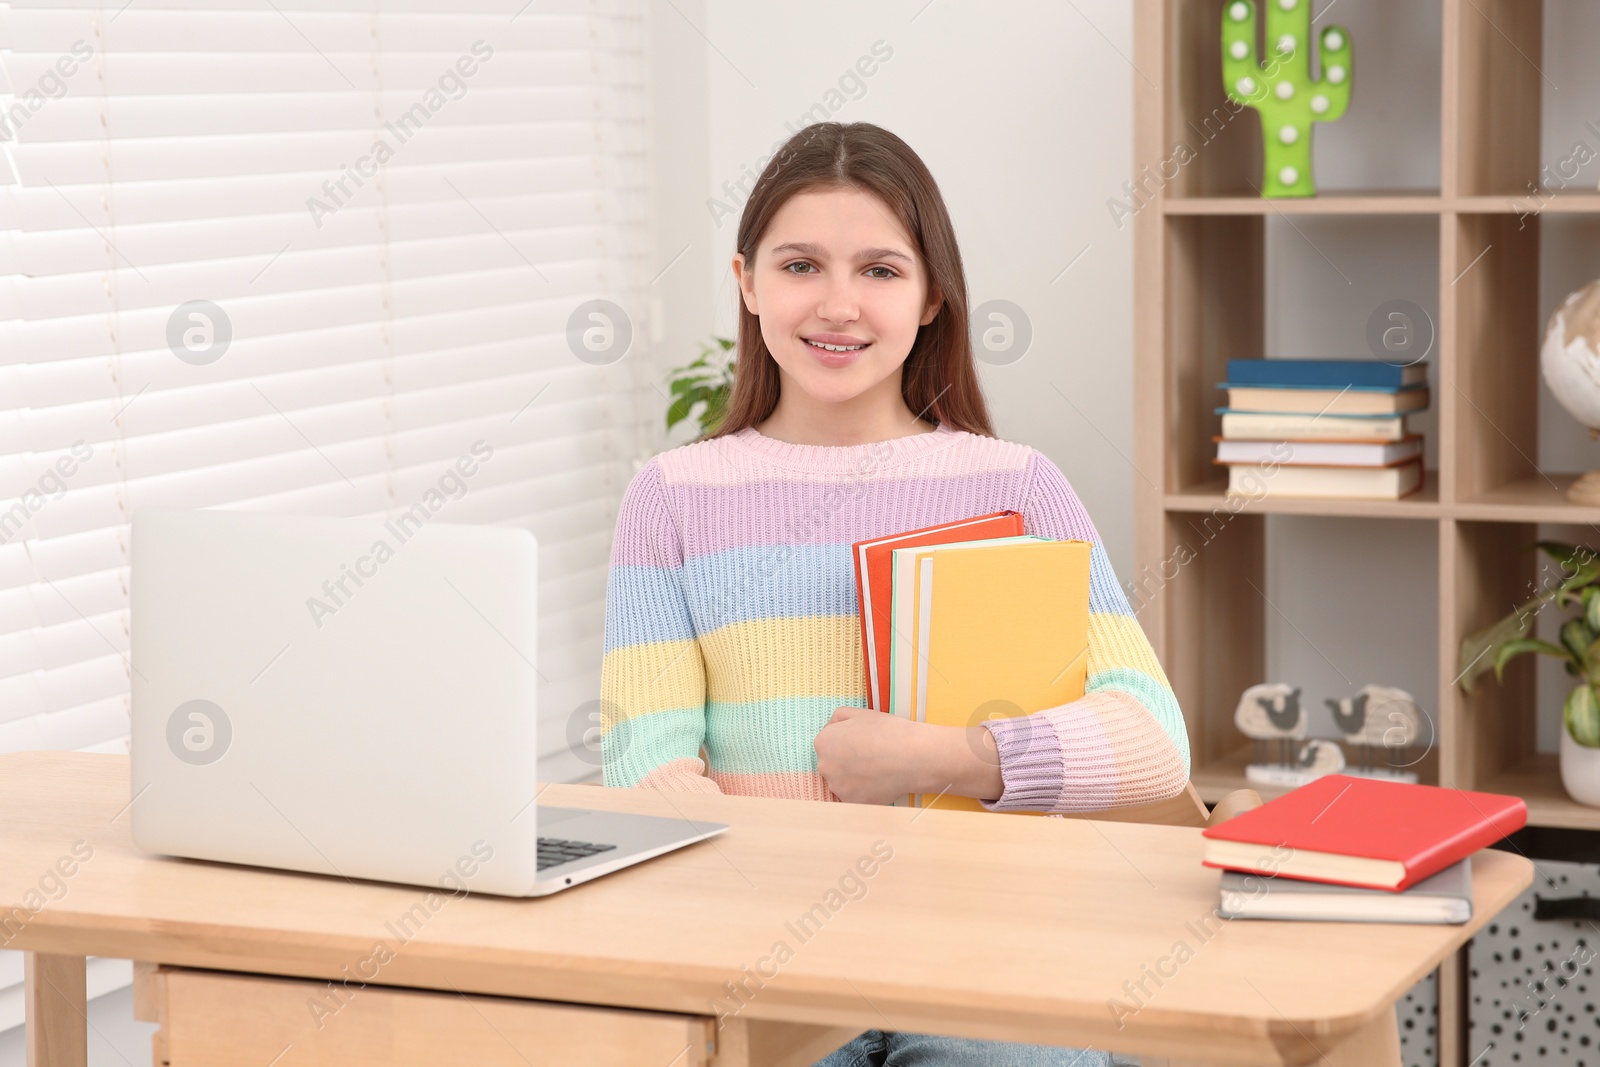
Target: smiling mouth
x=837 y=349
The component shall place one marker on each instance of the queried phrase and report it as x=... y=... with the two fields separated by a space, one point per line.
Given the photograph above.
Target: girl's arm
x=652 y=679
x=1124 y=742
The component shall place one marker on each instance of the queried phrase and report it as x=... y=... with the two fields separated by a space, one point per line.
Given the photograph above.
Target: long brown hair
x=938 y=381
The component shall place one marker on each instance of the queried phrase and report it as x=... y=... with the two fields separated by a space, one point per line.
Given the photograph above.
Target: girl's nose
x=840 y=303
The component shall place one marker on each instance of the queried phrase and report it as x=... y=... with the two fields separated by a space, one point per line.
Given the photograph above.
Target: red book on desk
x=875 y=585
x=1364 y=832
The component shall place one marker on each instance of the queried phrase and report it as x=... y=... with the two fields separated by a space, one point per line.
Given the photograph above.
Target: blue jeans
x=877 y=1048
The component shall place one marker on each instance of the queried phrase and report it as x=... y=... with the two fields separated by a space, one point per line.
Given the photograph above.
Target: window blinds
x=301 y=257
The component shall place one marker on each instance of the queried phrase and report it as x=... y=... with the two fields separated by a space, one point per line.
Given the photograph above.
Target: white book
x=1363 y=483
x=1445 y=897
x=1289 y=400
x=1272 y=426
x=1321 y=453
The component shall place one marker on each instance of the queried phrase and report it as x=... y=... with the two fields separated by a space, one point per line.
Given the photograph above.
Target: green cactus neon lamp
x=1280 y=87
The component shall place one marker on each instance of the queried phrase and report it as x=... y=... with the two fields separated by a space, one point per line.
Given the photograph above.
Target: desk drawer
x=223 y=1019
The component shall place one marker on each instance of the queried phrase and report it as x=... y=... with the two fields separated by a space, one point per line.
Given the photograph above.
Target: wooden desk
x=969 y=923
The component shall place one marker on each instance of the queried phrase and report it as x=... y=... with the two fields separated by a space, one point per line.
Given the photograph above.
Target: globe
x=1570 y=359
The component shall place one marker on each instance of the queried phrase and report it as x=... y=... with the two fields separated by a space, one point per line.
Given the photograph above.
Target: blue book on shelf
x=1350 y=386
x=1325 y=373
x=1253 y=411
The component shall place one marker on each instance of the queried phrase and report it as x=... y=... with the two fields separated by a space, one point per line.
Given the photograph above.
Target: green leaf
x=1576 y=637
x=1579 y=564
x=1591 y=607
x=1582 y=714
x=706 y=382
x=715 y=408
x=1480 y=650
x=681 y=409
x=1571 y=557
x=1512 y=649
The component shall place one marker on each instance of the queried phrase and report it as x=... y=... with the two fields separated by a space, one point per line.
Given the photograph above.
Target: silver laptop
x=356 y=698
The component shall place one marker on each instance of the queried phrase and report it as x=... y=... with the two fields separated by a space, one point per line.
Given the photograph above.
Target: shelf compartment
x=1219 y=777
x=1199 y=575
x=1547 y=202
x=1390 y=202
x=1486 y=570
x=1344 y=202
x=1538 y=498
x=1491 y=401
x=1398 y=50
x=1224 y=269
x=1537 y=780
x=1210 y=497
x=1494 y=49
x=1216 y=274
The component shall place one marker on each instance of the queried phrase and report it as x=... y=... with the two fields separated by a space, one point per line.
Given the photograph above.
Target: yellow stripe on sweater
x=767 y=659
x=643 y=678
x=1117 y=641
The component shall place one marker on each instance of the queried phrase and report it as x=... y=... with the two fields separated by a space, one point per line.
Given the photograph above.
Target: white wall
x=1022 y=112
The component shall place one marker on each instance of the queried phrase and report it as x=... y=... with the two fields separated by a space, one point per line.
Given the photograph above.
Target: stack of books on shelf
x=1322 y=428
x=1347 y=849
x=972 y=620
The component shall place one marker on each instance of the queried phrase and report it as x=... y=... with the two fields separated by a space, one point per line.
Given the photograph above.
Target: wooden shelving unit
x=1200 y=299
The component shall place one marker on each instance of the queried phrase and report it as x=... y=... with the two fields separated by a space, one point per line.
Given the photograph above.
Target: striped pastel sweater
x=731 y=620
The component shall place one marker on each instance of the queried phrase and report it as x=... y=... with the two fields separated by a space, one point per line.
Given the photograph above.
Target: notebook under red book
x=1367 y=832
x=875 y=585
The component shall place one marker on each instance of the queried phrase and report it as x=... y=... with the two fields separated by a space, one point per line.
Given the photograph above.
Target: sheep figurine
x=1378 y=716
x=1271 y=712
x=1316 y=758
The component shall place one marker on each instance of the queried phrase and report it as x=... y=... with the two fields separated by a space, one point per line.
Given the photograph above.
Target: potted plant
x=703 y=382
x=1577 y=586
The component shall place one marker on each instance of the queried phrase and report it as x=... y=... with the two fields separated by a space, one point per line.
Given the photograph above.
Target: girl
x=731 y=619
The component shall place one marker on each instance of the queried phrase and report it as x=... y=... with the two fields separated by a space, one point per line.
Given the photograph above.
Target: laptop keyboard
x=554 y=851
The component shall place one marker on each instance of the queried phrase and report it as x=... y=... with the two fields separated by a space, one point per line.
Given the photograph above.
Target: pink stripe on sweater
x=795 y=785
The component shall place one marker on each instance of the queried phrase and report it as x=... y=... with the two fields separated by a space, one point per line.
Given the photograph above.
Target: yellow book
x=903 y=570
x=997 y=630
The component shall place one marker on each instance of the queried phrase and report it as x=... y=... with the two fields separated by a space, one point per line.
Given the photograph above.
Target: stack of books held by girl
x=1347 y=849
x=1322 y=428
x=972 y=620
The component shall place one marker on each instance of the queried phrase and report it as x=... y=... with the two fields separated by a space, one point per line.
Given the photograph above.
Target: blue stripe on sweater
x=1105 y=595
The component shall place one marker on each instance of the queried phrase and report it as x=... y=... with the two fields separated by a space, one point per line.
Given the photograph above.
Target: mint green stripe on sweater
x=635 y=746
x=1155 y=696
x=769 y=736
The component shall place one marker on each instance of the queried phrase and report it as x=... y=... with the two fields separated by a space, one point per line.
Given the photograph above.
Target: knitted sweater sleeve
x=653 y=677
x=1124 y=742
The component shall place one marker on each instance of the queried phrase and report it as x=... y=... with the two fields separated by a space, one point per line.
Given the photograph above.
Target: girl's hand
x=867 y=757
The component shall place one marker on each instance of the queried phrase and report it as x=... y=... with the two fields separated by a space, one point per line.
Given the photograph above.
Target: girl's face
x=835 y=269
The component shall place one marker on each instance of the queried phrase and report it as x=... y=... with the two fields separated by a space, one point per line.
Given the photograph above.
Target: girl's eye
x=888 y=272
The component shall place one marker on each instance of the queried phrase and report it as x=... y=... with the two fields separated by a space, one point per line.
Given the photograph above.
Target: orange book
x=874 y=585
